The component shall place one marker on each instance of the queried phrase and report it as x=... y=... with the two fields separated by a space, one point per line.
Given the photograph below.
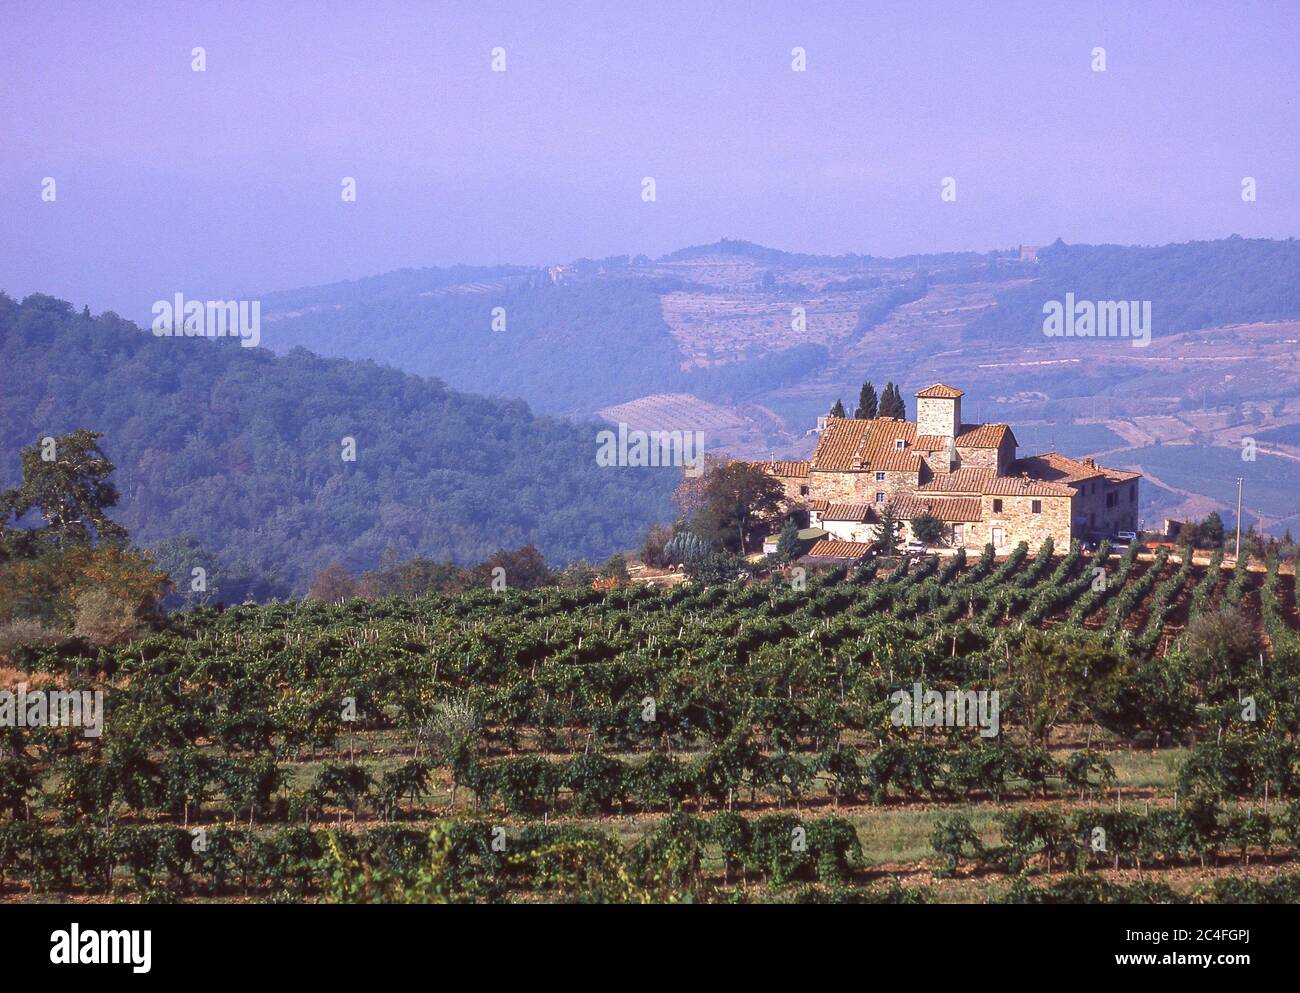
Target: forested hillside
x=245 y=451
x=1195 y=285
x=568 y=349
x=561 y=347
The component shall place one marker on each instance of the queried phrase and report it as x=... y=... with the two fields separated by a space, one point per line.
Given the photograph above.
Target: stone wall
x=1088 y=507
x=940 y=461
x=1123 y=515
x=1093 y=516
x=1019 y=522
x=856 y=531
x=977 y=458
x=860 y=487
x=850 y=530
x=1006 y=454
x=798 y=489
x=935 y=415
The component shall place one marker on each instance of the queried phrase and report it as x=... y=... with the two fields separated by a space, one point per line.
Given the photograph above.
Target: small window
x=1133 y=493
x=880 y=496
x=1036 y=506
x=1110 y=499
x=958 y=534
x=880 y=477
x=803 y=491
x=997 y=506
x=899 y=444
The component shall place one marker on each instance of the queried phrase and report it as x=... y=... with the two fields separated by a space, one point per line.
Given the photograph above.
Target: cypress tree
x=868 y=404
x=891 y=403
x=787 y=544
x=889 y=534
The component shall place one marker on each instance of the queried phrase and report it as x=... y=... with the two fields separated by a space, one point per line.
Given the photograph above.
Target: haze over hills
x=756 y=342
x=241 y=448
x=242 y=451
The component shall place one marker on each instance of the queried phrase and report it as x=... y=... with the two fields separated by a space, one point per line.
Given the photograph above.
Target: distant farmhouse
x=966 y=475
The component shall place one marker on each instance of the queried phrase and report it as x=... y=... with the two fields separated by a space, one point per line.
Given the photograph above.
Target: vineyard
x=735 y=742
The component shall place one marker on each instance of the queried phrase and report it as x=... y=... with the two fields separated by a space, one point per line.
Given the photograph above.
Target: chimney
x=1090 y=462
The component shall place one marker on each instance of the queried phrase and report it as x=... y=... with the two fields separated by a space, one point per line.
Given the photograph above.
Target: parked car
x=1129 y=536
x=916 y=547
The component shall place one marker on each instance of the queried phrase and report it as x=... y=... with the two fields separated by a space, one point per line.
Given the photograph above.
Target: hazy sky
x=228 y=180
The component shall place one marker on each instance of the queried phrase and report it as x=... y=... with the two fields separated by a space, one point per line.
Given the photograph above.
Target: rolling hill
x=765 y=340
x=244 y=450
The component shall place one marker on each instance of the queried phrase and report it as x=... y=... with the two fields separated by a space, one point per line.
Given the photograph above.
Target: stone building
x=969 y=476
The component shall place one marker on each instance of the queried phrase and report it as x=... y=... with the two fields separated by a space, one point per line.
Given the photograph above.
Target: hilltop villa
x=967 y=475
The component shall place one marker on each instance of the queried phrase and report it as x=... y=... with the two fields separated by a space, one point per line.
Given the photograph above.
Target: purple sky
x=228 y=181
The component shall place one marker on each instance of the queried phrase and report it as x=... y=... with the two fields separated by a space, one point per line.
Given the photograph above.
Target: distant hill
x=1200 y=284
x=766 y=340
x=565 y=348
x=569 y=347
x=399 y=283
x=721 y=321
x=244 y=450
x=760 y=253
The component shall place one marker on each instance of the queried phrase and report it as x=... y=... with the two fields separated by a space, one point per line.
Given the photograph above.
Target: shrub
x=731 y=833
x=654 y=547
x=103 y=618
x=835 y=848
x=778 y=848
x=953 y=839
x=25 y=633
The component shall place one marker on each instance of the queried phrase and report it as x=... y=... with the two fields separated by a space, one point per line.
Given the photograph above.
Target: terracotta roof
x=982 y=435
x=839 y=442
x=1118 y=475
x=949 y=509
x=1055 y=467
x=985 y=481
x=961 y=481
x=940 y=392
x=850 y=444
x=818 y=505
x=932 y=442
x=1024 y=486
x=970 y=436
x=796 y=469
x=828 y=548
x=858 y=512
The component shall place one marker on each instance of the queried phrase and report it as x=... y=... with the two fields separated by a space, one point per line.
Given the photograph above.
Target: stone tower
x=938 y=411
